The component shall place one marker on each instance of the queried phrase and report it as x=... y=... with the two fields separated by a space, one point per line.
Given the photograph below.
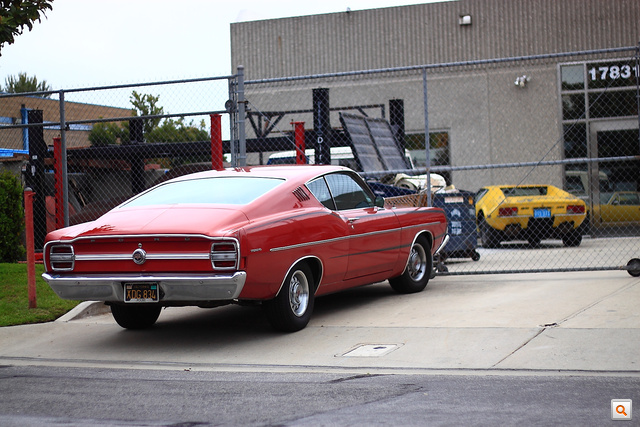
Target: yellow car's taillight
x=511 y=211
x=575 y=209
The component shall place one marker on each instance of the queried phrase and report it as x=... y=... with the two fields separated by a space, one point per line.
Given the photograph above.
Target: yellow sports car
x=620 y=208
x=528 y=212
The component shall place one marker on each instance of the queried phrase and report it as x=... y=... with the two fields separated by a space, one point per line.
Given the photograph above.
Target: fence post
x=31 y=256
x=242 y=140
x=63 y=163
x=396 y=120
x=217 y=156
x=427 y=141
x=136 y=131
x=57 y=183
x=298 y=132
x=35 y=177
x=322 y=125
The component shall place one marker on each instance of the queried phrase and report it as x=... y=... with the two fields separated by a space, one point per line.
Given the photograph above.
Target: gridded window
x=572 y=77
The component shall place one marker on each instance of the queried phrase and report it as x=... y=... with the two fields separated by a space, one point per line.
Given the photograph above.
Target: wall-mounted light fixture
x=522 y=81
x=464 y=20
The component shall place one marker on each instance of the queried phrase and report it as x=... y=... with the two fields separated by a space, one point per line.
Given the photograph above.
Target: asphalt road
x=46 y=396
x=526 y=349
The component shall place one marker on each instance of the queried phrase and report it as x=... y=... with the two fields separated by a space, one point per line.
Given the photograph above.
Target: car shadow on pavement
x=191 y=328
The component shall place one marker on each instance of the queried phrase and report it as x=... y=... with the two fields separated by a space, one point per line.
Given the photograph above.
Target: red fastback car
x=279 y=235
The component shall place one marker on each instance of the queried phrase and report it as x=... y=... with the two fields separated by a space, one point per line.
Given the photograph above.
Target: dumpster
x=459 y=207
x=385 y=190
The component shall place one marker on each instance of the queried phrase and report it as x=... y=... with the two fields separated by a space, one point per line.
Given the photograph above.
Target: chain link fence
x=536 y=160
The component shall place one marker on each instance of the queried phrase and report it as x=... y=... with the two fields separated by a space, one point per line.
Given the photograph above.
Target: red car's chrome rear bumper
x=172 y=287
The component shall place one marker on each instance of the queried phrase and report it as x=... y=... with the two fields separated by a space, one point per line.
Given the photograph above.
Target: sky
x=86 y=43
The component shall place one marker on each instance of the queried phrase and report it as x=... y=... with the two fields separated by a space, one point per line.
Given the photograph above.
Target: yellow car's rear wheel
x=573 y=238
x=490 y=237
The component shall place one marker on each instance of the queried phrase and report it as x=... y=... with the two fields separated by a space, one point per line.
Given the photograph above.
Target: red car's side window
x=339 y=191
x=320 y=190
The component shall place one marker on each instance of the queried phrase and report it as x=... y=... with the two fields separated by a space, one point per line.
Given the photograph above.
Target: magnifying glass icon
x=620 y=410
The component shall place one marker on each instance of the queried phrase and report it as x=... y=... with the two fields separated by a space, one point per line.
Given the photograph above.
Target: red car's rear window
x=223 y=190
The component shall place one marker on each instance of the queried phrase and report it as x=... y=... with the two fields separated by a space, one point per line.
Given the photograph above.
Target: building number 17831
x=613 y=72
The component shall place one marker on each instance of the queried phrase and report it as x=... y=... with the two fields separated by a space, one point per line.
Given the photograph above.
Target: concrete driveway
x=545 y=323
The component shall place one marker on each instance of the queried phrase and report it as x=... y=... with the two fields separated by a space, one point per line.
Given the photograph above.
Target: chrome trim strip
x=137 y=236
x=318 y=280
x=150 y=256
x=127 y=257
x=186 y=287
x=352 y=236
x=302 y=245
x=443 y=244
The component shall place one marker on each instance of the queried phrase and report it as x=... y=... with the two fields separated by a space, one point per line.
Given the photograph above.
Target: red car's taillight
x=575 y=209
x=512 y=211
x=62 y=258
x=225 y=255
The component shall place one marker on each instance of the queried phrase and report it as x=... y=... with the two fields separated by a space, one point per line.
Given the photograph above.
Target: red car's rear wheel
x=291 y=309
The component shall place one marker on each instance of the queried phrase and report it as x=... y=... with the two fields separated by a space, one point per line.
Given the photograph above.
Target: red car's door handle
x=352 y=220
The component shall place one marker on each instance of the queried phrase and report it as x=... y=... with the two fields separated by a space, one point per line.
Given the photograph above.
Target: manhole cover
x=371 y=350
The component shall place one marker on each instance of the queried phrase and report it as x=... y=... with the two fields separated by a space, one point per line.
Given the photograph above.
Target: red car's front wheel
x=418 y=270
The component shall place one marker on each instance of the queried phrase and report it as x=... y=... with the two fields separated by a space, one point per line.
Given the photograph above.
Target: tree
x=15 y=14
x=11 y=218
x=23 y=83
x=177 y=131
x=156 y=129
x=107 y=134
x=147 y=105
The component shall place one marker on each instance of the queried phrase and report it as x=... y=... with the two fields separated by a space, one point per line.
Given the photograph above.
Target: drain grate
x=371 y=350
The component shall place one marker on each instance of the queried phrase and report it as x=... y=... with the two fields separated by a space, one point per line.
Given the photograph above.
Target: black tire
x=633 y=267
x=417 y=273
x=291 y=309
x=585 y=227
x=534 y=241
x=475 y=256
x=572 y=239
x=488 y=235
x=135 y=316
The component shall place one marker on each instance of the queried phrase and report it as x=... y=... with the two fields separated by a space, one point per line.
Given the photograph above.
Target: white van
x=343 y=156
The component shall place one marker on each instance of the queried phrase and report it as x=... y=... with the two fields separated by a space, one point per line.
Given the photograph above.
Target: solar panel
x=362 y=144
x=392 y=157
x=373 y=143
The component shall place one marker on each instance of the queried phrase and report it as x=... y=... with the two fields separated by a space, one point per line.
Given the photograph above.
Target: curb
x=85 y=309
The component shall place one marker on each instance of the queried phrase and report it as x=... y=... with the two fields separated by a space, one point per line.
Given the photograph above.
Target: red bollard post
x=217 y=156
x=298 y=133
x=31 y=256
x=57 y=179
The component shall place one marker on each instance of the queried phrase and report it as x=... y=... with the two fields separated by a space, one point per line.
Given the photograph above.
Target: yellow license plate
x=141 y=292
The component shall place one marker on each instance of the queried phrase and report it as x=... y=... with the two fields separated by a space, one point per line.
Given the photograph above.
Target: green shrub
x=11 y=218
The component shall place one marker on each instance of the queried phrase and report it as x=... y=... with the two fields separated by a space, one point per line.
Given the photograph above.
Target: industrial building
x=495 y=81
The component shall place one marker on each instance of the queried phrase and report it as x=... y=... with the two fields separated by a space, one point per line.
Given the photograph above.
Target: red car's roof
x=195 y=219
x=302 y=173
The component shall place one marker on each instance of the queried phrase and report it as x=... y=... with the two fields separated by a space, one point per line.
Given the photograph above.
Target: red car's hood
x=207 y=220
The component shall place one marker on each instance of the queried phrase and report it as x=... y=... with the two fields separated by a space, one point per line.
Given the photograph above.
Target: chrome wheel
x=417 y=266
x=291 y=309
x=299 y=293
